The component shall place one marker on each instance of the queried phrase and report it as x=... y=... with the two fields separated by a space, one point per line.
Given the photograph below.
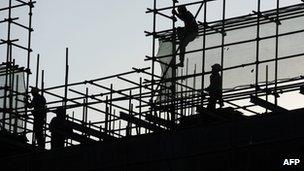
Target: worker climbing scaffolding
x=187 y=33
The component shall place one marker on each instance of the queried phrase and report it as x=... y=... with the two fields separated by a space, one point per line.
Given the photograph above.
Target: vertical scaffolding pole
x=223 y=39
x=267 y=85
x=8 y=63
x=204 y=54
x=42 y=94
x=111 y=106
x=140 y=101
x=37 y=70
x=129 y=124
x=16 y=115
x=31 y=6
x=276 y=54
x=83 y=115
x=113 y=125
x=85 y=111
x=8 y=56
x=66 y=78
x=173 y=63
x=181 y=96
x=107 y=115
x=153 y=55
x=86 y=106
x=257 y=49
x=187 y=93
x=193 y=93
x=11 y=91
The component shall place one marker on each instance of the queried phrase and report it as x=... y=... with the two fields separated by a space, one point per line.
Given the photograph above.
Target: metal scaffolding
x=9 y=69
x=98 y=110
x=255 y=19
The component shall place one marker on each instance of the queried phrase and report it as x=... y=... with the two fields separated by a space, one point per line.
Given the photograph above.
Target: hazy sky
x=105 y=37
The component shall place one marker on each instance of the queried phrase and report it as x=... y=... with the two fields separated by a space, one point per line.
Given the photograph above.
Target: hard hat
x=182 y=8
x=216 y=67
x=60 y=110
x=34 y=90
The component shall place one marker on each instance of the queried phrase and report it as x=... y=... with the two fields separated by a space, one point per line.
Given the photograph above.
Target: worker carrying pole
x=185 y=34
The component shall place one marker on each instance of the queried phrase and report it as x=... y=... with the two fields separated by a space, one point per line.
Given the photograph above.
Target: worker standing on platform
x=215 y=87
x=58 y=127
x=185 y=34
x=39 y=112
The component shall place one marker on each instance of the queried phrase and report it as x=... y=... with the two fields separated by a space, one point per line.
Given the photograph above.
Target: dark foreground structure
x=254 y=143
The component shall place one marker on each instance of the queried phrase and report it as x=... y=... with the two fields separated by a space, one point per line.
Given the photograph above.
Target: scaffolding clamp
x=259 y=14
x=30 y=3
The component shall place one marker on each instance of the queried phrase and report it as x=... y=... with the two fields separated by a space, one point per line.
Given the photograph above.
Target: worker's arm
x=27 y=103
x=174 y=12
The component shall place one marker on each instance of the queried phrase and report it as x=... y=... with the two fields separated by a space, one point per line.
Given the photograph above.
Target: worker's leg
x=221 y=102
x=61 y=141
x=191 y=36
x=211 y=103
x=180 y=31
x=57 y=141
x=220 y=98
x=181 y=34
x=53 y=141
x=182 y=49
x=38 y=130
x=187 y=37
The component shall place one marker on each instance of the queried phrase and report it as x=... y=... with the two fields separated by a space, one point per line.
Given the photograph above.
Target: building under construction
x=161 y=122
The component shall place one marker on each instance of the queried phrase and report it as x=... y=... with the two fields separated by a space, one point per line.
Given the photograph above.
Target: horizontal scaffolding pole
x=238 y=22
x=98 y=79
x=171 y=7
x=165 y=80
x=17 y=6
x=229 y=44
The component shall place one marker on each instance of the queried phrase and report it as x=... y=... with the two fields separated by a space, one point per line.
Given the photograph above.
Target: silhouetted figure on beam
x=59 y=128
x=39 y=112
x=185 y=34
x=215 y=87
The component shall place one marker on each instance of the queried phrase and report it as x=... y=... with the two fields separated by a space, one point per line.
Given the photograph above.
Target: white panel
x=245 y=53
x=21 y=89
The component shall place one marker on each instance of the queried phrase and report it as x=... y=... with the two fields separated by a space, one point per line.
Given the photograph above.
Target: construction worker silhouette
x=38 y=103
x=185 y=34
x=58 y=127
x=215 y=87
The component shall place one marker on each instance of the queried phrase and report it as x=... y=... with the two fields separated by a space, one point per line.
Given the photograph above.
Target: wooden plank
x=90 y=131
x=263 y=103
x=140 y=122
x=159 y=121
